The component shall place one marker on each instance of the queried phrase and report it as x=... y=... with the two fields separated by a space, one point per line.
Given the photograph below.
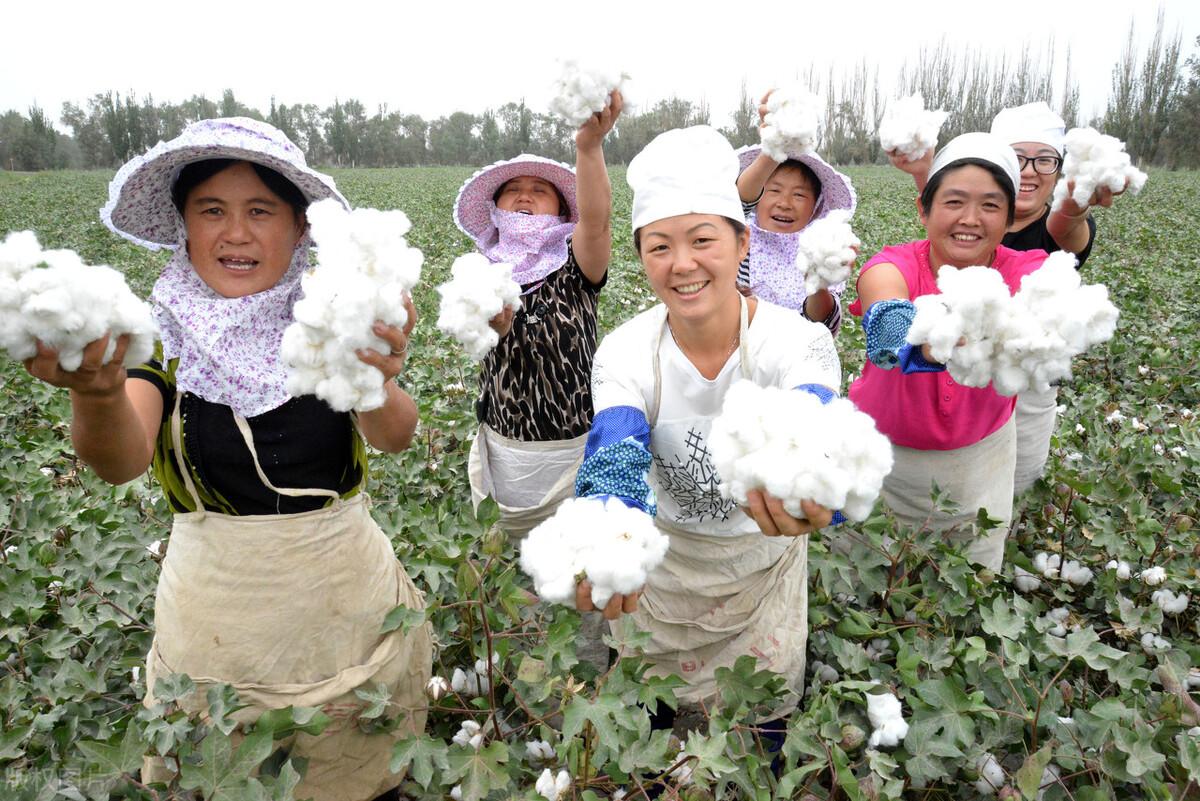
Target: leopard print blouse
x=536 y=384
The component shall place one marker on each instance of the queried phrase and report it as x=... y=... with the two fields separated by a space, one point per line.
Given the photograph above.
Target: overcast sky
x=432 y=58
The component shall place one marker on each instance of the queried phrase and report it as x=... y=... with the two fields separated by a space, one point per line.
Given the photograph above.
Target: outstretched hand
x=774 y=521
x=94 y=376
x=919 y=166
x=617 y=605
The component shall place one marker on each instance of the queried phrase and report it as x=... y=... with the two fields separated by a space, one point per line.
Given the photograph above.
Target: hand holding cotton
x=907 y=127
x=789 y=444
x=477 y=292
x=1095 y=160
x=583 y=90
x=791 y=123
x=366 y=271
x=614 y=546
x=827 y=250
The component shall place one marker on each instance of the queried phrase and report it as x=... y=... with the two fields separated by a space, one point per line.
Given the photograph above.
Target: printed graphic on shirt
x=693 y=483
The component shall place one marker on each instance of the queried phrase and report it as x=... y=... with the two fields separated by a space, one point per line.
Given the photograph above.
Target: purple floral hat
x=836 y=190
x=474 y=204
x=139 y=204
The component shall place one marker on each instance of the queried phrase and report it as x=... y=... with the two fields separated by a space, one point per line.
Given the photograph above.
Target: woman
x=724 y=590
x=276 y=580
x=554 y=226
x=960 y=438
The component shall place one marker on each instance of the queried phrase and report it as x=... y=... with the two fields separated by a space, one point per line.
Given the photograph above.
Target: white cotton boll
x=1115 y=418
x=1153 y=576
x=469 y=684
x=1075 y=573
x=826 y=251
x=796 y=448
x=909 y=128
x=1153 y=644
x=581 y=90
x=366 y=270
x=539 y=751
x=1050 y=777
x=1047 y=564
x=887 y=716
x=477 y=292
x=456 y=792
x=1095 y=160
x=1121 y=568
x=155 y=549
x=467 y=734
x=1025 y=581
x=791 y=123
x=1169 y=602
x=552 y=787
x=991 y=775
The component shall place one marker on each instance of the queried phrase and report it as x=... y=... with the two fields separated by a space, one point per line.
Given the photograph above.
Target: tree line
x=1153 y=105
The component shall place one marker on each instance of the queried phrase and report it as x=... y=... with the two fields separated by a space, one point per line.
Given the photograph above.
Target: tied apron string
x=743 y=352
x=248 y=438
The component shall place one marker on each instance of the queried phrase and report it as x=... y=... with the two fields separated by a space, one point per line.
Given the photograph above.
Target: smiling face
x=1035 y=190
x=526 y=194
x=967 y=218
x=240 y=234
x=691 y=262
x=787 y=202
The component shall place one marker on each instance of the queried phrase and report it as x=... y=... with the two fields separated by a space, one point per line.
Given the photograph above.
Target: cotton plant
x=614 y=546
x=796 y=448
x=366 y=271
x=791 y=123
x=887 y=718
x=1094 y=160
x=826 y=250
x=477 y=291
x=909 y=128
x=581 y=90
x=53 y=297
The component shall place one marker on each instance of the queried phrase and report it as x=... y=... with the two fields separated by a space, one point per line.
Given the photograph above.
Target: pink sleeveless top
x=931 y=411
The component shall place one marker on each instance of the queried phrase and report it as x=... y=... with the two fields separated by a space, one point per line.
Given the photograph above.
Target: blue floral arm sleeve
x=616 y=460
x=886 y=325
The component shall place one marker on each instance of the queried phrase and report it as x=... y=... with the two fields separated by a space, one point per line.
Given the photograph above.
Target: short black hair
x=196 y=173
x=805 y=170
x=737 y=225
x=1001 y=177
x=563 y=209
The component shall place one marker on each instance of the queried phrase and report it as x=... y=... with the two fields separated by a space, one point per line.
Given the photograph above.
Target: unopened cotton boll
x=1169 y=602
x=581 y=90
x=1095 y=160
x=614 y=546
x=791 y=123
x=887 y=716
x=991 y=775
x=826 y=251
x=477 y=292
x=796 y=448
x=366 y=270
x=550 y=786
x=436 y=687
x=1153 y=576
x=909 y=128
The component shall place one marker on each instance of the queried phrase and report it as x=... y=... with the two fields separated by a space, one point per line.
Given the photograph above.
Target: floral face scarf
x=534 y=244
x=774 y=276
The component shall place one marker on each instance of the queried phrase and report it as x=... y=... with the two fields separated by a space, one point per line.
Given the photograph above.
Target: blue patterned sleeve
x=886 y=325
x=616 y=460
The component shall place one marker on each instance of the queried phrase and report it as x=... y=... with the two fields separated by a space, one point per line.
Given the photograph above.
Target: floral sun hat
x=836 y=190
x=474 y=204
x=139 y=204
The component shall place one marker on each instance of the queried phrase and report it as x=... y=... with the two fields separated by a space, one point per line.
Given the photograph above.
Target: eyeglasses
x=1042 y=165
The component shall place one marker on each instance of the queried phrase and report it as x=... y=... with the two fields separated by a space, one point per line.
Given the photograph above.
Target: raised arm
x=1068 y=226
x=917 y=168
x=752 y=180
x=887 y=316
x=592 y=240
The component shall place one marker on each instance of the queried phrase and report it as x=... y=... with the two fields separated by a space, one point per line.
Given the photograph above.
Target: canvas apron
x=715 y=598
x=288 y=610
x=974 y=477
x=1037 y=412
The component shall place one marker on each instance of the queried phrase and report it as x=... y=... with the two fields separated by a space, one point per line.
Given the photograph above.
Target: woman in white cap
x=730 y=585
x=960 y=437
x=276 y=580
x=554 y=226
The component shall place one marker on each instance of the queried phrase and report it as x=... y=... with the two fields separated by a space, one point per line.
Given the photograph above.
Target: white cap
x=982 y=146
x=1032 y=122
x=685 y=171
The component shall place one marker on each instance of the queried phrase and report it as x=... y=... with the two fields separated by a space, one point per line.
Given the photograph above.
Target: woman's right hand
x=502 y=323
x=94 y=376
x=617 y=605
x=918 y=168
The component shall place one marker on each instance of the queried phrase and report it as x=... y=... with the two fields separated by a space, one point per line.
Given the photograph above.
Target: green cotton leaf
x=1000 y=620
x=478 y=772
x=283 y=785
x=114 y=759
x=403 y=618
x=847 y=782
x=216 y=754
x=1029 y=775
x=927 y=757
x=944 y=713
x=377 y=696
x=420 y=755
x=173 y=688
x=531 y=670
x=488 y=513
x=1138 y=746
x=650 y=754
x=850 y=655
x=11 y=740
x=607 y=714
x=745 y=684
x=1085 y=644
x=223 y=701
x=711 y=760
x=291 y=719
x=1189 y=755
x=974 y=651
x=653 y=689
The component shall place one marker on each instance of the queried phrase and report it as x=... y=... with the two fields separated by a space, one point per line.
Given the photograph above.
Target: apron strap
x=248 y=437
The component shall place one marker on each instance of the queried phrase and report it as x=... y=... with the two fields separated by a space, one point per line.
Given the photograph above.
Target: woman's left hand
x=392 y=363
x=774 y=521
x=1103 y=196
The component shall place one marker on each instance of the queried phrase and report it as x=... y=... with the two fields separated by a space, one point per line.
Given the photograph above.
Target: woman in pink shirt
x=960 y=438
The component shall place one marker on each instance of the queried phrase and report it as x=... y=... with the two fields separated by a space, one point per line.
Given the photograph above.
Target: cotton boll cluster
x=469 y=734
x=1060 y=622
x=551 y=787
x=477 y=291
x=1169 y=602
x=581 y=90
x=366 y=271
x=539 y=751
x=611 y=544
x=1047 y=564
x=1122 y=569
x=887 y=716
x=1153 y=576
x=796 y=448
x=1025 y=581
x=991 y=775
x=1095 y=160
x=983 y=335
x=791 y=122
x=475 y=682
x=1075 y=573
x=1153 y=644
x=826 y=251
x=67 y=305
x=907 y=127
